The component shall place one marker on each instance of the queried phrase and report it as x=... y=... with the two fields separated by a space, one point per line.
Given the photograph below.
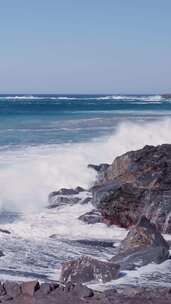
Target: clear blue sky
x=85 y=46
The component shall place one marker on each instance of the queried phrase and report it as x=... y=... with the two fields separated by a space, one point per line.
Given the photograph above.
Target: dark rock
x=166 y=96
x=118 y=203
x=86 y=269
x=99 y=168
x=92 y=217
x=86 y=200
x=66 y=191
x=143 y=245
x=137 y=183
x=82 y=291
x=1 y=253
x=79 y=189
x=58 y=201
x=29 y=288
x=65 y=197
x=5 y=298
x=2 y=289
x=97 y=243
x=5 y=231
x=46 y=288
x=12 y=289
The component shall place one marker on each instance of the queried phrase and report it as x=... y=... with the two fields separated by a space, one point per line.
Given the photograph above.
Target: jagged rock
x=66 y=191
x=99 y=168
x=5 y=231
x=118 y=203
x=65 y=197
x=138 y=182
x=86 y=269
x=58 y=201
x=143 y=245
x=92 y=217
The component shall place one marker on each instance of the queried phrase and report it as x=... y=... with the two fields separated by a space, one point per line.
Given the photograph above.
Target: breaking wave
x=27 y=175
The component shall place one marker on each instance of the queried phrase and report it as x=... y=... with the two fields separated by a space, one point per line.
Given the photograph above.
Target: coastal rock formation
x=86 y=269
x=143 y=245
x=137 y=183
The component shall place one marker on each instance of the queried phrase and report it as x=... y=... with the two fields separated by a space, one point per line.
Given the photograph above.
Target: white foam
x=27 y=175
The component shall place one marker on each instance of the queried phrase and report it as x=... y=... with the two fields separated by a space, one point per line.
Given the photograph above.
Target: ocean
x=46 y=142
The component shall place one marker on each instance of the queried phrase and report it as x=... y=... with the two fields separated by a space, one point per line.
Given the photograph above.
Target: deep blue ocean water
x=51 y=119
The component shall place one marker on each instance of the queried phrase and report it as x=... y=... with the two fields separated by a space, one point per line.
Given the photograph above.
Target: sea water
x=46 y=142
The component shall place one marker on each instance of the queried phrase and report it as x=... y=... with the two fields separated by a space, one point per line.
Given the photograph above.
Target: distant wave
x=132 y=98
x=117 y=98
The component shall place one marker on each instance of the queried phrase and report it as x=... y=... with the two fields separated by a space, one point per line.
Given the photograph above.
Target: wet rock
x=86 y=269
x=143 y=245
x=2 y=289
x=137 y=183
x=66 y=191
x=96 y=243
x=99 y=168
x=92 y=217
x=1 y=253
x=5 y=231
x=29 y=288
x=86 y=200
x=65 y=197
x=58 y=201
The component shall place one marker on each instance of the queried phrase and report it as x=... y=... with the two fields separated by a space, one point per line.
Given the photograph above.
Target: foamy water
x=41 y=153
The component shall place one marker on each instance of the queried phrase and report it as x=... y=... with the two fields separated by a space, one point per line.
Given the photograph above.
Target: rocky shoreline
x=33 y=292
x=134 y=192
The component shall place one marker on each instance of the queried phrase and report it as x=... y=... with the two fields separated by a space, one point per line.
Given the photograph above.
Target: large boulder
x=138 y=182
x=86 y=269
x=143 y=245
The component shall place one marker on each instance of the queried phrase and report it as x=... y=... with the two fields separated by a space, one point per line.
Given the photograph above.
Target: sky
x=85 y=46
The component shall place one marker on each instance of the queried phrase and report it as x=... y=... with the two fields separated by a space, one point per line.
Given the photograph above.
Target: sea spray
x=28 y=175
